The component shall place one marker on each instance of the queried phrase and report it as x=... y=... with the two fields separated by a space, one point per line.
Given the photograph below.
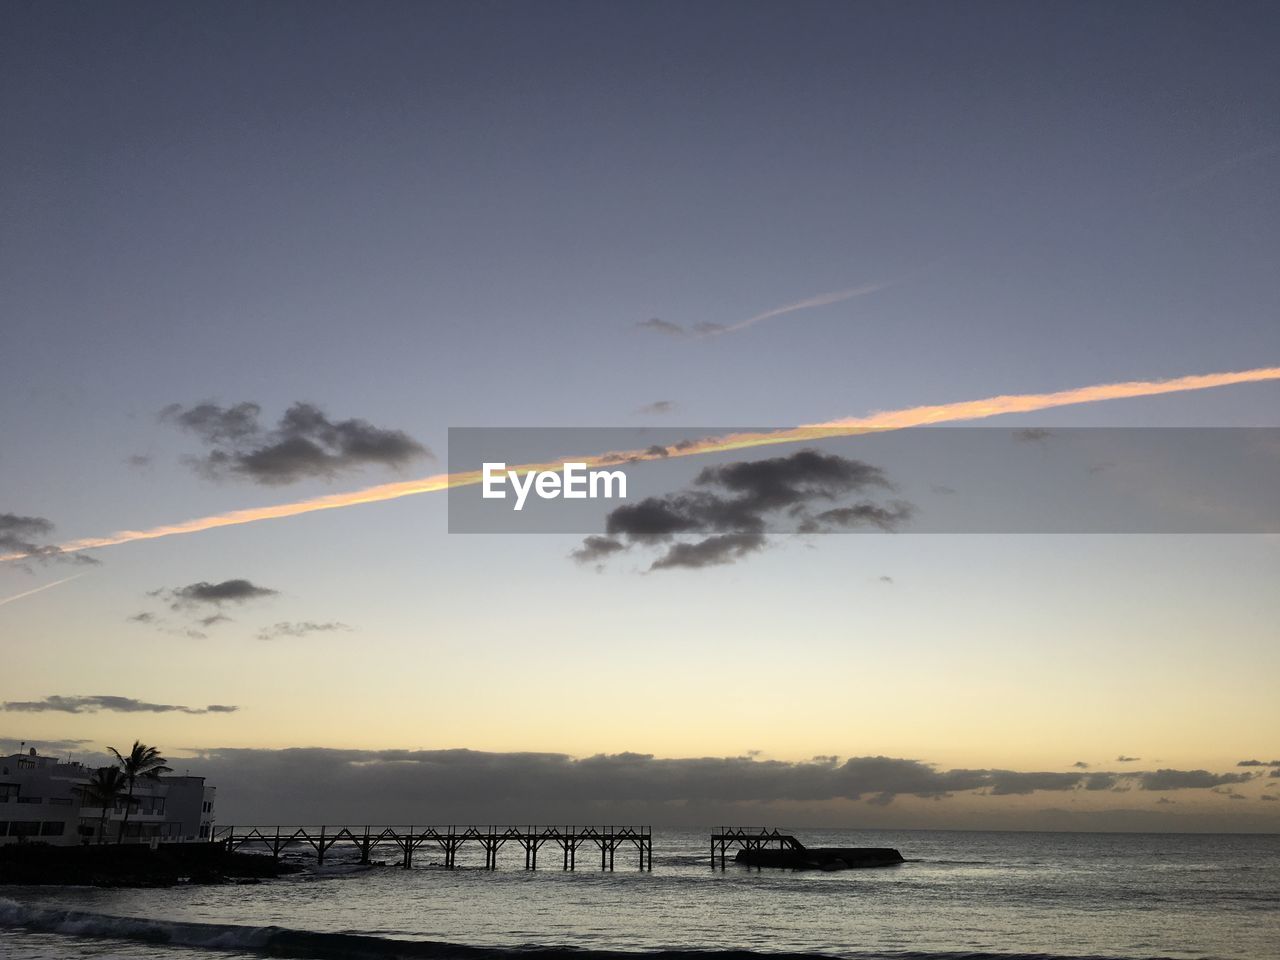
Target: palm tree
x=142 y=763
x=103 y=790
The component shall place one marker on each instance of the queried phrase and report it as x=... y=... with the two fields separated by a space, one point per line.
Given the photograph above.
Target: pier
x=761 y=838
x=449 y=840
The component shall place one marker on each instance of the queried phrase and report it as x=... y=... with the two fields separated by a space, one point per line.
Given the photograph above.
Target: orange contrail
x=887 y=420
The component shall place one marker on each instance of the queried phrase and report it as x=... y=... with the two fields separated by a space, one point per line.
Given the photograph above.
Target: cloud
x=714 y=550
x=26 y=536
x=303 y=444
x=1080 y=765
x=204 y=592
x=1101 y=781
x=299 y=629
x=1269 y=797
x=885 y=578
x=1123 y=759
x=1258 y=763
x=708 y=329
x=138 y=460
x=214 y=619
x=657 y=408
x=731 y=505
x=1032 y=435
x=663 y=327
x=10 y=745
x=92 y=704
x=595 y=549
x=143 y=617
x=1188 y=779
x=392 y=786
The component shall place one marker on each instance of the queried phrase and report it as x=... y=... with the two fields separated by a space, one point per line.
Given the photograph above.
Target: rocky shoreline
x=134 y=865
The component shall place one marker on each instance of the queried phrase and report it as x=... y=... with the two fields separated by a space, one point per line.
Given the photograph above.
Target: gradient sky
x=436 y=215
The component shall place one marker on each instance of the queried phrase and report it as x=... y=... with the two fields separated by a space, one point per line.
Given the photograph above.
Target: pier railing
x=748 y=838
x=447 y=839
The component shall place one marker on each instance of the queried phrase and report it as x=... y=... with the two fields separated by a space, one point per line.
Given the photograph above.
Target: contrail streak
x=821 y=300
x=19 y=596
x=886 y=420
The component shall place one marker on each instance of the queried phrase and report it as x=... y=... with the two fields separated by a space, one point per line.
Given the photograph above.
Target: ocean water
x=960 y=895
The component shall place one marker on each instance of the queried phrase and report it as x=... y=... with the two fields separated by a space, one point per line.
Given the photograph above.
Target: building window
x=52 y=828
x=31 y=799
x=61 y=801
x=24 y=828
x=8 y=790
x=4 y=828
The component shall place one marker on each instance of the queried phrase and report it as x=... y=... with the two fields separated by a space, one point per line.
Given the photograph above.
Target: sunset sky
x=250 y=257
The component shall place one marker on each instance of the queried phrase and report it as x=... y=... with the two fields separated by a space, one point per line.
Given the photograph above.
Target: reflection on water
x=1049 y=894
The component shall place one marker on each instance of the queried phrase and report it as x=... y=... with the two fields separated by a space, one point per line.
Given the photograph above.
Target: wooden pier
x=448 y=840
x=760 y=838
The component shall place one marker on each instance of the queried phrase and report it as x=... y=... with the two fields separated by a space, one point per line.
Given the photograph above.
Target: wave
x=274 y=941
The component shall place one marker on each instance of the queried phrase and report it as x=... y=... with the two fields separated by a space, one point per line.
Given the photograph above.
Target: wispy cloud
x=92 y=704
x=300 y=629
x=707 y=329
x=657 y=408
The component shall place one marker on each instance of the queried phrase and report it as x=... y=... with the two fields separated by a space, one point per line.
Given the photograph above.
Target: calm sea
x=961 y=895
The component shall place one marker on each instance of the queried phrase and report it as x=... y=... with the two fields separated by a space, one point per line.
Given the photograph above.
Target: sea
x=959 y=896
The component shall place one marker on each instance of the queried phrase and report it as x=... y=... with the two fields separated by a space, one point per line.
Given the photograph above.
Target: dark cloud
x=92 y=704
x=885 y=578
x=859 y=515
x=300 y=629
x=594 y=549
x=1269 y=797
x=204 y=592
x=1004 y=782
x=714 y=550
x=1032 y=434
x=657 y=408
x=1123 y=759
x=1100 y=781
x=1080 y=765
x=731 y=504
x=143 y=617
x=10 y=745
x=26 y=538
x=1274 y=773
x=1188 y=779
x=1258 y=763
x=393 y=786
x=942 y=489
x=138 y=460
x=213 y=619
x=665 y=327
x=304 y=443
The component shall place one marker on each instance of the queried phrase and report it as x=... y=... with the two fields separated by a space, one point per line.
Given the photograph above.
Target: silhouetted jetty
x=766 y=847
x=448 y=840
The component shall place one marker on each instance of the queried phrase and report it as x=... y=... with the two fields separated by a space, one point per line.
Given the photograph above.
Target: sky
x=253 y=254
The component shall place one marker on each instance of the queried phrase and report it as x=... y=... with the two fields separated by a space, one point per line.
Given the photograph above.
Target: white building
x=42 y=800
